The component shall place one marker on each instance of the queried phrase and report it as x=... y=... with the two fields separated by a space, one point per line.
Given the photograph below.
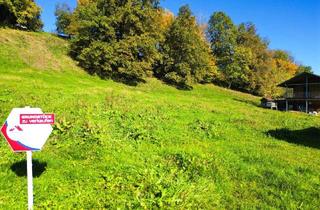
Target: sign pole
x=30 y=181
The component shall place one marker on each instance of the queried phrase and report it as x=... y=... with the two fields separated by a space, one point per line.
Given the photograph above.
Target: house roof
x=301 y=79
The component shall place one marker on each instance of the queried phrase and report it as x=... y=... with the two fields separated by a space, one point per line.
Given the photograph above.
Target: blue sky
x=292 y=25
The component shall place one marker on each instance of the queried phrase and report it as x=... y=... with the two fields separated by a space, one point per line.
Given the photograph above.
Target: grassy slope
x=150 y=145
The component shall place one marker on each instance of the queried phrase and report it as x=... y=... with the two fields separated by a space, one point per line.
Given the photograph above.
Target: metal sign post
x=30 y=180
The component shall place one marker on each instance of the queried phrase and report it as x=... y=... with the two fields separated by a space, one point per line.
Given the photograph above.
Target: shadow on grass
x=124 y=79
x=252 y=103
x=20 y=168
x=309 y=137
x=178 y=86
x=127 y=80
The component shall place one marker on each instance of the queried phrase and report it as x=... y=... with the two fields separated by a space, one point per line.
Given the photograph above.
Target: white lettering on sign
x=36 y=118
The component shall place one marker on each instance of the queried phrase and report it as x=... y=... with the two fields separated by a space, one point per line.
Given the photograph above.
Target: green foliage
x=20 y=13
x=186 y=55
x=61 y=126
x=260 y=61
x=133 y=39
x=268 y=67
x=282 y=55
x=150 y=146
x=207 y=130
x=283 y=68
x=222 y=34
x=63 y=15
x=237 y=73
x=302 y=69
x=116 y=39
x=244 y=60
x=7 y=15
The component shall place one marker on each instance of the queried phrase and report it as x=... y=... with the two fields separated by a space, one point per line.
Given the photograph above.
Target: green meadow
x=149 y=146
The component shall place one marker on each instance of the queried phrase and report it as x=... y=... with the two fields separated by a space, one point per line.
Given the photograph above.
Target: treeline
x=244 y=59
x=133 y=39
x=130 y=40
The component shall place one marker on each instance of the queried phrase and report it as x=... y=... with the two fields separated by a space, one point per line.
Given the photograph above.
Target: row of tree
x=132 y=39
x=129 y=40
x=244 y=60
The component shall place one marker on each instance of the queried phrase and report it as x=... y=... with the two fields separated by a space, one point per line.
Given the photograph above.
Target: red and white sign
x=27 y=129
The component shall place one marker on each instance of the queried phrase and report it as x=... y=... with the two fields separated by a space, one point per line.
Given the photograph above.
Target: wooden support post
x=307 y=94
x=307 y=88
x=287 y=105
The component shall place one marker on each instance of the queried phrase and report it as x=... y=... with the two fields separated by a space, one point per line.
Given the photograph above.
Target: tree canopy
x=187 y=58
x=132 y=39
x=244 y=59
x=20 y=13
x=63 y=15
x=222 y=34
x=116 y=39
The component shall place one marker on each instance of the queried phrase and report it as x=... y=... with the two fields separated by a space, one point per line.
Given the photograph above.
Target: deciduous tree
x=261 y=63
x=116 y=38
x=20 y=13
x=302 y=69
x=222 y=34
x=187 y=57
x=63 y=15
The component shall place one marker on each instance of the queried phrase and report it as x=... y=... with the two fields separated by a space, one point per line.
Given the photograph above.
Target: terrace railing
x=302 y=94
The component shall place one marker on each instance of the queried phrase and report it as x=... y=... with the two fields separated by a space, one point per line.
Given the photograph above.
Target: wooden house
x=302 y=93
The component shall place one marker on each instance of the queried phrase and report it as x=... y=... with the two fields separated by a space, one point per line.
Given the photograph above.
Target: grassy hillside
x=150 y=146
